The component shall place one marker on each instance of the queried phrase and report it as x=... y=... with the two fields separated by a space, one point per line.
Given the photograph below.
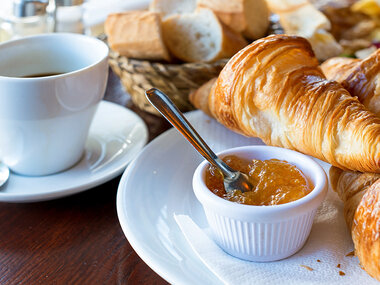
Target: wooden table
x=77 y=239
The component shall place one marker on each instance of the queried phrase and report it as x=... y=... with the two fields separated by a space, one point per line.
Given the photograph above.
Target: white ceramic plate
x=116 y=136
x=156 y=186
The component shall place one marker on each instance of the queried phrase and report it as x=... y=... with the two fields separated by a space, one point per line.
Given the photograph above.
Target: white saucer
x=116 y=136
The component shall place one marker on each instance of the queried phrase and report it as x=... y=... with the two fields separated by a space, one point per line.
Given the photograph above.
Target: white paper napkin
x=324 y=252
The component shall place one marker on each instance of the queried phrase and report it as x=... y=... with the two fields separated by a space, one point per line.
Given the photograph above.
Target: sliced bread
x=250 y=17
x=136 y=34
x=200 y=37
x=299 y=17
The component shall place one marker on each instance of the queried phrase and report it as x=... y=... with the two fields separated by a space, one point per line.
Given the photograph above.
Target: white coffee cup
x=44 y=121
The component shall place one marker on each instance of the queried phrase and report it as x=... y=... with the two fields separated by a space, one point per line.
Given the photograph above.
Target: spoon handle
x=167 y=108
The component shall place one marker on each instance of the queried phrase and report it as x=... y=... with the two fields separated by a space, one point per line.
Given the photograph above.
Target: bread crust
x=274 y=89
x=175 y=37
x=360 y=193
x=360 y=77
x=366 y=230
x=136 y=34
x=200 y=96
x=299 y=17
x=249 y=17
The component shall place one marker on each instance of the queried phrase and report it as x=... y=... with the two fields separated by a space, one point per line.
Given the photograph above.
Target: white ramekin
x=262 y=233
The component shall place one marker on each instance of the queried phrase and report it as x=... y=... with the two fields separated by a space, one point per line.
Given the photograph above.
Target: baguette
x=200 y=37
x=136 y=34
x=249 y=17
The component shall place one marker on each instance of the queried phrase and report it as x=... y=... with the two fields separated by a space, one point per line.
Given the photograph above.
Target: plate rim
x=128 y=233
x=162 y=271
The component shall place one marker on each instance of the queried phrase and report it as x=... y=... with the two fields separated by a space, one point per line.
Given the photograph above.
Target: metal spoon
x=233 y=180
x=4 y=173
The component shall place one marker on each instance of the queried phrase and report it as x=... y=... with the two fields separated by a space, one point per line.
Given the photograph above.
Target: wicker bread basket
x=175 y=80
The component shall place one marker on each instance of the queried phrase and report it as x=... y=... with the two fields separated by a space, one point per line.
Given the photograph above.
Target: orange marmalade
x=275 y=181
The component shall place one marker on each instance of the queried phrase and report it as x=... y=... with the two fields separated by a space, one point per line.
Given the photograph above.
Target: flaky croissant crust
x=360 y=77
x=366 y=230
x=273 y=89
x=360 y=193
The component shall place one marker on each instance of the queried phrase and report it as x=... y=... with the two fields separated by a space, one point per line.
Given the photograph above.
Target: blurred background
x=20 y=18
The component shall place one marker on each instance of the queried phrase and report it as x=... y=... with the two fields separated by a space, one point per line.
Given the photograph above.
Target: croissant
x=360 y=193
x=274 y=89
x=360 y=77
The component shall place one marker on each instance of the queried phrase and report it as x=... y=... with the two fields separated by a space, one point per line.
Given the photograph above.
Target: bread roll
x=274 y=89
x=250 y=17
x=200 y=37
x=136 y=34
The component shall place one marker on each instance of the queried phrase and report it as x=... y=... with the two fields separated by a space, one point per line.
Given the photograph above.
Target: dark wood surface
x=76 y=239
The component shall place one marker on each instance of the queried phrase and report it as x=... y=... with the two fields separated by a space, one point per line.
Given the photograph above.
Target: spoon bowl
x=233 y=179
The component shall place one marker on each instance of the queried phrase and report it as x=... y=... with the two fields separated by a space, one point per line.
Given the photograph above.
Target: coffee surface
x=41 y=75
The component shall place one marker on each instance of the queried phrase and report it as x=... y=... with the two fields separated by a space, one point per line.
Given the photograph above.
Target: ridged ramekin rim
x=311 y=201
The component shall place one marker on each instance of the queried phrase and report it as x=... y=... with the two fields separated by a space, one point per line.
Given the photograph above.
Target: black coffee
x=40 y=75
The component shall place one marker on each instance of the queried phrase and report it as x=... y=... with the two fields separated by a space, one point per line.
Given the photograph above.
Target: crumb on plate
x=307 y=267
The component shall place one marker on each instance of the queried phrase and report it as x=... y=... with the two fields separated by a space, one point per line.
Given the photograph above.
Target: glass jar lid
x=60 y=3
x=28 y=8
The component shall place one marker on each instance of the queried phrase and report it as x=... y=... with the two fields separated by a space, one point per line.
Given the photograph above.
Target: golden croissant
x=360 y=77
x=360 y=193
x=274 y=89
